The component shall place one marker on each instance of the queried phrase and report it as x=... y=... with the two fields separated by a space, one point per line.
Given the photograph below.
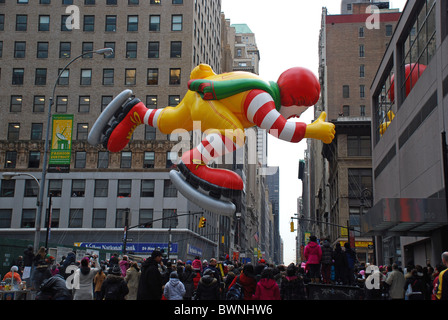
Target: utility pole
x=126 y=227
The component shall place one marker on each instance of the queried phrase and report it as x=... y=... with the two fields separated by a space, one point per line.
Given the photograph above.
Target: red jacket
x=313 y=253
x=267 y=289
x=249 y=285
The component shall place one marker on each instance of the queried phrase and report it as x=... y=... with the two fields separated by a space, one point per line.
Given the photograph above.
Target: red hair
x=298 y=87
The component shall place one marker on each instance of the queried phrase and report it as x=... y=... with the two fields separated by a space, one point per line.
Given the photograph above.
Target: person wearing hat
x=13 y=273
x=114 y=287
x=150 y=285
x=174 y=288
x=83 y=277
x=197 y=264
x=208 y=287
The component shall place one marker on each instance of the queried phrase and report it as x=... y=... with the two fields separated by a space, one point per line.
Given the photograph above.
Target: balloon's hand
x=321 y=130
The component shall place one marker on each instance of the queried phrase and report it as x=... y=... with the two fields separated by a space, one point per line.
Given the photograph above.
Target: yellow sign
x=344 y=232
x=359 y=244
x=61 y=143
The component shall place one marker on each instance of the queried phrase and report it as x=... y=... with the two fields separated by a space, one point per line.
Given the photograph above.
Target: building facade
x=340 y=178
x=156 y=45
x=409 y=102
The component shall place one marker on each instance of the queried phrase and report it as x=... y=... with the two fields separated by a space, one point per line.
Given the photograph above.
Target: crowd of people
x=154 y=278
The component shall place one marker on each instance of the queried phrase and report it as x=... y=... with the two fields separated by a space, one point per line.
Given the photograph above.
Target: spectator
x=247 y=280
x=196 y=264
x=442 y=286
x=83 y=285
x=327 y=261
x=132 y=279
x=258 y=269
x=313 y=255
x=98 y=282
x=14 y=272
x=150 y=285
x=174 y=289
x=208 y=287
x=267 y=288
x=396 y=282
x=340 y=265
x=292 y=286
x=54 y=288
x=114 y=287
x=350 y=256
x=124 y=265
x=188 y=281
x=415 y=288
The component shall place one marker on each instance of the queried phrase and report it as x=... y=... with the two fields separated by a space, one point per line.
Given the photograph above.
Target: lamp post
x=47 y=143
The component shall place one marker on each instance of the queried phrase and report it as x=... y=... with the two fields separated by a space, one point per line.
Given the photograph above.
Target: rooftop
x=241 y=28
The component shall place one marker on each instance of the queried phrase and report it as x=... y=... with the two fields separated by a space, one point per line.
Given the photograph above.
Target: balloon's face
x=292 y=111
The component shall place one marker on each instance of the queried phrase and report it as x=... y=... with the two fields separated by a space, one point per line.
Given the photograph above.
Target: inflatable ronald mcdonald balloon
x=225 y=104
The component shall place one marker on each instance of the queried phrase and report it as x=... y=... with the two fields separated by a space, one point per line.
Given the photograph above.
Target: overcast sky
x=287 y=35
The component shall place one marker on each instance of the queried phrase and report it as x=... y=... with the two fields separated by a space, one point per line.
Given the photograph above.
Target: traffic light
x=292 y=226
x=202 y=222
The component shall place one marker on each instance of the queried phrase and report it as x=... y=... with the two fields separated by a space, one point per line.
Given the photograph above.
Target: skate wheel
x=96 y=133
x=206 y=202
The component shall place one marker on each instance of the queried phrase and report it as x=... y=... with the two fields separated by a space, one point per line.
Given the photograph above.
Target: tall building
x=409 y=99
x=156 y=44
x=340 y=175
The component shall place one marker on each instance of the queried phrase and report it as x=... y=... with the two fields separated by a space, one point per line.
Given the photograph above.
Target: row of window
x=346 y=91
x=345 y=112
x=389 y=30
x=62 y=106
x=93 y=2
x=99 y=218
x=101 y=188
x=108 y=78
x=111 y=23
x=65 y=50
x=102 y=162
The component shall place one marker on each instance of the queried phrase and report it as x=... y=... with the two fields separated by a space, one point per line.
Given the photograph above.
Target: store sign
x=130 y=247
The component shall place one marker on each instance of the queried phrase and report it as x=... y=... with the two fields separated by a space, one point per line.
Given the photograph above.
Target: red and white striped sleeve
x=259 y=108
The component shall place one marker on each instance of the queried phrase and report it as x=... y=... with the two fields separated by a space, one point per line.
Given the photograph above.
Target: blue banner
x=130 y=247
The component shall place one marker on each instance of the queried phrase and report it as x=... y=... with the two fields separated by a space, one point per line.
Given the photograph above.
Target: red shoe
x=127 y=120
x=217 y=181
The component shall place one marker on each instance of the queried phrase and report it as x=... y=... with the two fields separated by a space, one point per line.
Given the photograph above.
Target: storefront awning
x=405 y=217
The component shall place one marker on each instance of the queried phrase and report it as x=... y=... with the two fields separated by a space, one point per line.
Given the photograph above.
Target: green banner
x=61 y=143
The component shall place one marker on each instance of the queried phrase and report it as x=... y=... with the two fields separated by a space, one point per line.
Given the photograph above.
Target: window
x=28 y=218
x=34 y=159
x=362 y=72
x=11 y=159
x=19 y=49
x=359 y=146
x=42 y=50
x=176 y=49
x=75 y=218
x=176 y=23
x=67 y=1
x=358 y=180
x=78 y=187
x=21 y=22
x=124 y=188
x=154 y=1
x=130 y=77
x=105 y=100
x=154 y=23
x=17 y=76
x=169 y=190
x=178 y=1
x=44 y=23
x=174 y=76
x=55 y=187
x=1 y=49
x=131 y=50
x=84 y=104
x=361 y=51
x=89 y=23
x=150 y=134
x=66 y=24
x=13 y=131
x=111 y=24
x=148 y=161
x=101 y=188
x=64 y=78
x=389 y=30
x=103 y=159
x=89 y=2
x=7 y=188
x=120 y=218
x=151 y=102
x=345 y=111
x=108 y=77
x=362 y=110
x=16 y=104
x=111 y=2
x=99 y=218
x=146 y=217
x=384 y=105
x=39 y=104
x=153 y=77
x=126 y=159
x=153 y=50
x=61 y=104
x=346 y=91
x=87 y=47
x=112 y=46
x=65 y=49
x=86 y=77
x=80 y=159
x=5 y=218
x=173 y=100
x=362 y=91
x=36 y=131
x=169 y=218
x=83 y=131
x=40 y=78
x=147 y=189
x=132 y=23
x=55 y=214
x=361 y=32
x=31 y=188
x=133 y=2
x=2 y=22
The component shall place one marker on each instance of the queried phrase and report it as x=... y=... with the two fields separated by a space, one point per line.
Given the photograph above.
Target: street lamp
x=10 y=175
x=104 y=51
